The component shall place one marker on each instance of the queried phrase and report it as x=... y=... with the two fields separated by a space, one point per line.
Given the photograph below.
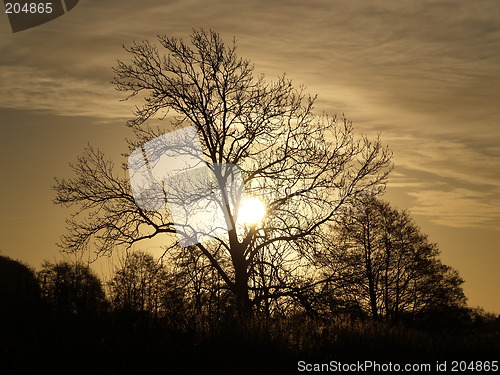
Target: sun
x=251 y=210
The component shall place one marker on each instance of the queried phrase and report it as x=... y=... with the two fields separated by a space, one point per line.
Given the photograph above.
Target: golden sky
x=424 y=74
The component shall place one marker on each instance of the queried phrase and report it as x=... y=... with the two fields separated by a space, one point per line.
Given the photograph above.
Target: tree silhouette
x=71 y=288
x=142 y=284
x=390 y=266
x=19 y=289
x=302 y=165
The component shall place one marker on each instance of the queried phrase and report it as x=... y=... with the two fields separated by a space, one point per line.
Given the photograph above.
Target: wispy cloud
x=30 y=89
x=459 y=207
x=451 y=183
x=424 y=73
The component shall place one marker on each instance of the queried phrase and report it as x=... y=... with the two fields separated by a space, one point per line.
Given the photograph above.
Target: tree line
x=378 y=264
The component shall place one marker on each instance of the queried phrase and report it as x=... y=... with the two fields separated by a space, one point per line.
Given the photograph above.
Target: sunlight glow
x=251 y=210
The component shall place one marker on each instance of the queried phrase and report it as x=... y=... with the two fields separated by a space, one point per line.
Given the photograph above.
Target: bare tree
x=391 y=267
x=142 y=284
x=71 y=288
x=303 y=166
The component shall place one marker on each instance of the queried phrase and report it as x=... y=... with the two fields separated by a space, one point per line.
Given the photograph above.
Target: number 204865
x=28 y=8
x=480 y=366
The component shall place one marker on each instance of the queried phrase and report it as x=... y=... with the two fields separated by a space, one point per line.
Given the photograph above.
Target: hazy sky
x=424 y=74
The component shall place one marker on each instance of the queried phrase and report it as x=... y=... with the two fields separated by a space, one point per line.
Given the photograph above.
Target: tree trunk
x=370 y=274
x=243 y=304
x=240 y=287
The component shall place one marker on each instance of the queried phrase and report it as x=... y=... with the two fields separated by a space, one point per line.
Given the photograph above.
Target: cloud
x=460 y=208
x=30 y=89
x=450 y=159
x=424 y=73
x=449 y=184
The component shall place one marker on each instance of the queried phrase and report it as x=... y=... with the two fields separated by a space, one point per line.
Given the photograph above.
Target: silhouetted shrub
x=71 y=289
x=19 y=289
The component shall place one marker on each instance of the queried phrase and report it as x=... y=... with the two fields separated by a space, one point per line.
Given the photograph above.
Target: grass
x=114 y=343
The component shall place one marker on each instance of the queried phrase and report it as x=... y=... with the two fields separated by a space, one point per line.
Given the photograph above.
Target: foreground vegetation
x=101 y=336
